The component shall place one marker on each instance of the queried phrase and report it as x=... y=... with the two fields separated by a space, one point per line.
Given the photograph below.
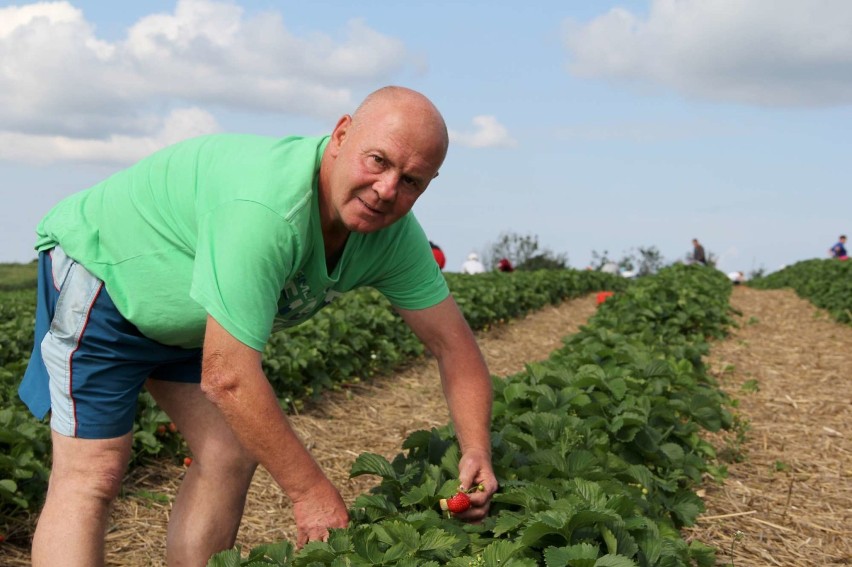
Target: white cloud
x=766 y=52
x=38 y=149
x=488 y=133
x=59 y=81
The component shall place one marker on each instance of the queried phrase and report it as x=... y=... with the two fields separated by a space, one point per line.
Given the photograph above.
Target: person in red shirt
x=504 y=265
x=439 y=255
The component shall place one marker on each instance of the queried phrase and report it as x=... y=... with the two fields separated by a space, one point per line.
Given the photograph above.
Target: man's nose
x=387 y=186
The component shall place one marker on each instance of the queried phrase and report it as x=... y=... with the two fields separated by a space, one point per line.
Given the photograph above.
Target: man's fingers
x=316 y=534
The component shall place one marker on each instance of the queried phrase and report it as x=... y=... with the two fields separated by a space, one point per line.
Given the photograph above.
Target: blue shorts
x=89 y=363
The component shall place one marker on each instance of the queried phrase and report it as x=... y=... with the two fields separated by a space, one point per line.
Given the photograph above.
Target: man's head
x=843 y=238
x=380 y=160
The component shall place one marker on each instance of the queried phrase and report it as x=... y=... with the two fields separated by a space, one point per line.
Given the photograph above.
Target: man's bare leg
x=85 y=479
x=209 y=506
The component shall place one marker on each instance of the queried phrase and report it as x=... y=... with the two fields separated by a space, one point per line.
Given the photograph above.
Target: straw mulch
x=789 y=494
x=789 y=499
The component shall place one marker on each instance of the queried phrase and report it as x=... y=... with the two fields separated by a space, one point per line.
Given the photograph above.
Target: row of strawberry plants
x=354 y=338
x=825 y=283
x=598 y=451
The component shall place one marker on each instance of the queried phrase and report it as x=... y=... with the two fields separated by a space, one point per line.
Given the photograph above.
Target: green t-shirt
x=229 y=225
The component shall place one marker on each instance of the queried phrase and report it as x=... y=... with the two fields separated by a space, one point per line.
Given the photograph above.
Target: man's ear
x=338 y=135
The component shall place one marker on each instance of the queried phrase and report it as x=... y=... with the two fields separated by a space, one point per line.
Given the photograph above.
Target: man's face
x=381 y=166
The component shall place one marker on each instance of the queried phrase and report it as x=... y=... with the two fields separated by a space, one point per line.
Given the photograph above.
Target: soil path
x=790 y=494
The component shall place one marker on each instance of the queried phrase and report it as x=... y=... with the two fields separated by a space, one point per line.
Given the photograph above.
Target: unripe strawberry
x=458 y=503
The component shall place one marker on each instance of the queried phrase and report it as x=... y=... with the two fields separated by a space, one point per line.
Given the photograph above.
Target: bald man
x=172 y=274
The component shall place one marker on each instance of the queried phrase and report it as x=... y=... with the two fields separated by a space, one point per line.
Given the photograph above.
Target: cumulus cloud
x=487 y=133
x=40 y=149
x=765 y=52
x=59 y=81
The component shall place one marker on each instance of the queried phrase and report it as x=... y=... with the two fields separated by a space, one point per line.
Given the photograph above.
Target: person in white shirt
x=472 y=265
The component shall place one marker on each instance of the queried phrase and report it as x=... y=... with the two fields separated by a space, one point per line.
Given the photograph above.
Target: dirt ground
x=789 y=497
x=789 y=501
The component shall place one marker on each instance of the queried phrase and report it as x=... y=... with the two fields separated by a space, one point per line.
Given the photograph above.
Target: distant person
x=839 y=250
x=472 y=265
x=504 y=265
x=736 y=277
x=610 y=268
x=698 y=256
x=439 y=255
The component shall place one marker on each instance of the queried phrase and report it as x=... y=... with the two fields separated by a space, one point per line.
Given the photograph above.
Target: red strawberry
x=187 y=461
x=458 y=503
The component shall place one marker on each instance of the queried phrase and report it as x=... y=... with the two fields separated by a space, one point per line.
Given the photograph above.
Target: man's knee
x=230 y=462
x=89 y=469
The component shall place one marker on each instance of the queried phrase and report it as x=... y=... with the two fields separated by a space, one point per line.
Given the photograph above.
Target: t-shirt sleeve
x=412 y=279
x=245 y=253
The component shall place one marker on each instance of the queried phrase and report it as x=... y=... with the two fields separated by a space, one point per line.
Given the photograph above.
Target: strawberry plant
x=596 y=450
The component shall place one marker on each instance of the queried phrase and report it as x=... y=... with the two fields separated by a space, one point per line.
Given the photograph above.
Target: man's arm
x=233 y=379
x=467 y=387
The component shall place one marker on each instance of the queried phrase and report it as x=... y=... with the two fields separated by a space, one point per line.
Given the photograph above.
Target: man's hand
x=474 y=469
x=318 y=510
x=467 y=387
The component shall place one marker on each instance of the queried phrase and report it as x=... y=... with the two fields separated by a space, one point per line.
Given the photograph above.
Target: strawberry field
x=602 y=451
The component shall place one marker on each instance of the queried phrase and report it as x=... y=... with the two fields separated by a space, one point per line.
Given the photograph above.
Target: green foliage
x=597 y=450
x=18 y=276
x=355 y=338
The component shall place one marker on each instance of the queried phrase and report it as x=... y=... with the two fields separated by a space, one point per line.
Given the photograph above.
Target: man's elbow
x=218 y=381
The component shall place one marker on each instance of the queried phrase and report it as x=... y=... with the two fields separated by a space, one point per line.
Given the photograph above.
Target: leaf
x=315 y=552
x=673 y=452
x=371 y=463
x=436 y=539
x=228 y=558
x=544 y=524
x=507 y=522
x=609 y=539
x=687 y=507
x=9 y=485
x=614 y=561
x=403 y=533
x=367 y=547
x=580 y=555
x=419 y=493
x=617 y=386
x=703 y=555
x=500 y=551
x=274 y=553
x=417 y=439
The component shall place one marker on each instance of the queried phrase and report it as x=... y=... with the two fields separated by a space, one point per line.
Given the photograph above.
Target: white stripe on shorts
x=77 y=295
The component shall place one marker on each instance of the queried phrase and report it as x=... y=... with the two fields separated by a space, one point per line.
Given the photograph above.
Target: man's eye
x=410 y=181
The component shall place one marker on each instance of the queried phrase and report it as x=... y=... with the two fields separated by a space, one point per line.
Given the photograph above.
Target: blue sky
x=596 y=125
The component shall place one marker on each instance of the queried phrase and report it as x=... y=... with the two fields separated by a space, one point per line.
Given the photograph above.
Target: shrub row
x=597 y=452
x=354 y=338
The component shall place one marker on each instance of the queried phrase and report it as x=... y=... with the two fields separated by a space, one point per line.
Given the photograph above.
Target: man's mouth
x=370 y=207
